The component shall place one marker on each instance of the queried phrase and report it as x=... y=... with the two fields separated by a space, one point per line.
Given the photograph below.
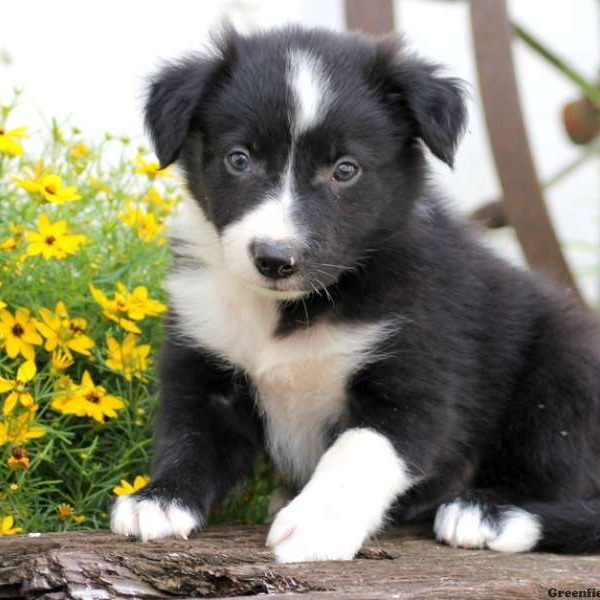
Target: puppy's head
x=303 y=148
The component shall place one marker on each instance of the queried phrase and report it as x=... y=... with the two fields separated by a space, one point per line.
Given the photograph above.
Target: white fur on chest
x=300 y=379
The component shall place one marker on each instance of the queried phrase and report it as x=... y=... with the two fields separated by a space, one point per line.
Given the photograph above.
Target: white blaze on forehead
x=274 y=219
x=311 y=89
x=267 y=222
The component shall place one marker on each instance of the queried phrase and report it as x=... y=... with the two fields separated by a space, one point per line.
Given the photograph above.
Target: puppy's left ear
x=433 y=105
x=176 y=93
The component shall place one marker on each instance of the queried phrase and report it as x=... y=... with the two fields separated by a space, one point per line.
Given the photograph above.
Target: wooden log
x=232 y=561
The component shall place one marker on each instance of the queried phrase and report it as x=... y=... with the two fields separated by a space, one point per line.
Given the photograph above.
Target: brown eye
x=345 y=171
x=238 y=162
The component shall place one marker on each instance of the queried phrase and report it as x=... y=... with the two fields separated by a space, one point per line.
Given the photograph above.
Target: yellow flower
x=97 y=185
x=143 y=223
x=19 y=430
x=64 y=332
x=12 y=243
x=140 y=305
x=150 y=169
x=18 y=333
x=64 y=387
x=88 y=400
x=2 y=304
x=18 y=388
x=19 y=458
x=49 y=186
x=156 y=200
x=9 y=143
x=126 y=357
x=61 y=360
x=113 y=309
x=33 y=178
x=126 y=488
x=135 y=305
x=6 y=526
x=52 y=190
x=79 y=156
x=52 y=240
x=79 y=151
x=66 y=511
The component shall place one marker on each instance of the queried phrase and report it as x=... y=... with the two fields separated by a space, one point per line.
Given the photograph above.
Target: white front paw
x=150 y=519
x=315 y=529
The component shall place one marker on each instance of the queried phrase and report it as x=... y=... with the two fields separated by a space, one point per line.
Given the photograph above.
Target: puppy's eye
x=238 y=162
x=345 y=171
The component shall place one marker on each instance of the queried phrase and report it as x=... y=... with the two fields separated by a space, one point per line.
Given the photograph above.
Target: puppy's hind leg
x=485 y=519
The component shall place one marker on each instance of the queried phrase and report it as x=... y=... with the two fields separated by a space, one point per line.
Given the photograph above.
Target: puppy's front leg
x=345 y=501
x=207 y=435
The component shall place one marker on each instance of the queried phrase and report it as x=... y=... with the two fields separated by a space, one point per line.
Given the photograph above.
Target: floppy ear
x=435 y=105
x=175 y=95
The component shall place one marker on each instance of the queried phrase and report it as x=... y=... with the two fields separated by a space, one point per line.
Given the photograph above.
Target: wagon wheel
x=523 y=200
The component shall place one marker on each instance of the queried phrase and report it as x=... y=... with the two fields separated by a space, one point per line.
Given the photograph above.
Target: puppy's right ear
x=176 y=93
x=433 y=106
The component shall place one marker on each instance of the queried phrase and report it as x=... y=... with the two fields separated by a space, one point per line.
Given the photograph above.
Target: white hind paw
x=519 y=531
x=465 y=525
x=151 y=519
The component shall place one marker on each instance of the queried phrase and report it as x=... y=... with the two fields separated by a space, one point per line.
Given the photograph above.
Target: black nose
x=275 y=261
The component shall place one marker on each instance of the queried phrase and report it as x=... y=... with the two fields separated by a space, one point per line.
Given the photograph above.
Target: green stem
x=590 y=91
x=590 y=150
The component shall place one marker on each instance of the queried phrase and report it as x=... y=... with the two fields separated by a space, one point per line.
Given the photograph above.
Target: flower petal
x=9 y=404
x=26 y=371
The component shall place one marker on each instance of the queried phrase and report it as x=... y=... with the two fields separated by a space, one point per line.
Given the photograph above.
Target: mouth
x=278 y=290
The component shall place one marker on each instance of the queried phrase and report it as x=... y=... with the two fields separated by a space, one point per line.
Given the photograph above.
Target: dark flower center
x=93 y=397
x=19 y=453
x=50 y=240
x=17 y=330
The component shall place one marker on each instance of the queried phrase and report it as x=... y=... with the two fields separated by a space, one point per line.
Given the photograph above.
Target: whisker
x=342 y=267
x=325 y=291
x=305 y=312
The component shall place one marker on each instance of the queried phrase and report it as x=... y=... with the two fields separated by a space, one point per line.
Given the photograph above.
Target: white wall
x=87 y=60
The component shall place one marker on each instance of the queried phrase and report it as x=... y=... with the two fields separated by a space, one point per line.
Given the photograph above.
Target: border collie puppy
x=327 y=308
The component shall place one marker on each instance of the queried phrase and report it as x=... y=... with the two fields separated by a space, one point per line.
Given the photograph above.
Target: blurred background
x=85 y=63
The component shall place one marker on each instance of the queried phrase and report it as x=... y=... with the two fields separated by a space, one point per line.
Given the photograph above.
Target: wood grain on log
x=232 y=561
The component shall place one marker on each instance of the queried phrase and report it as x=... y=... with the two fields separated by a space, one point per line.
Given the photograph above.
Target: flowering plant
x=82 y=258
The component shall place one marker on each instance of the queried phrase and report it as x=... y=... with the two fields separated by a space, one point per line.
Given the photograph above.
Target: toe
x=124 y=520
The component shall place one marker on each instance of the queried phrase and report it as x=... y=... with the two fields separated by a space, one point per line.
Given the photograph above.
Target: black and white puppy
x=326 y=307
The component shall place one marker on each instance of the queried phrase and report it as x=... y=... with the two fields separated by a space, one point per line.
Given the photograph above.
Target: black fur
x=492 y=380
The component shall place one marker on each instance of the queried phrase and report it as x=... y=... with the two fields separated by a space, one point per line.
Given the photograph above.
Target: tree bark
x=232 y=561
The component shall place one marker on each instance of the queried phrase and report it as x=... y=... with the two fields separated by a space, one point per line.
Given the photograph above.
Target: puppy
x=326 y=307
